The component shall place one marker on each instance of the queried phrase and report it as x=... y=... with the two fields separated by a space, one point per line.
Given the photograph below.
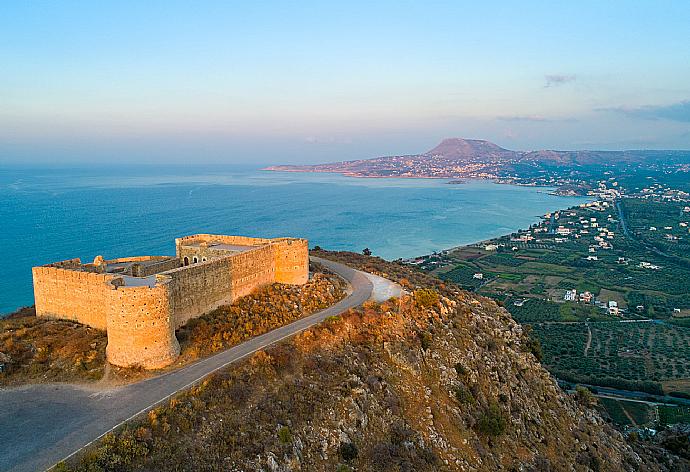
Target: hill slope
x=438 y=381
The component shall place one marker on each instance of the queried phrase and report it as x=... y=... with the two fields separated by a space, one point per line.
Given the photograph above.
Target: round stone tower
x=140 y=327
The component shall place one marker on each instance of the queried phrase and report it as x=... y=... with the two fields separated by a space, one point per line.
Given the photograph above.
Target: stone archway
x=185 y=261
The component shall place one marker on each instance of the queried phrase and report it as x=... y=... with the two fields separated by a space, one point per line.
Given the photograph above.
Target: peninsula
x=572 y=172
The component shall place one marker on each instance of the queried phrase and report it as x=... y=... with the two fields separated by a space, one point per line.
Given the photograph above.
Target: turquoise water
x=50 y=215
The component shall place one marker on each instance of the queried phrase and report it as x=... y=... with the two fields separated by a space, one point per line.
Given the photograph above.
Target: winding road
x=41 y=425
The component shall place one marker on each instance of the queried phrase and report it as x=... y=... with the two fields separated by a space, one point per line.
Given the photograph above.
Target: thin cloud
x=555 y=80
x=535 y=119
x=528 y=118
x=674 y=112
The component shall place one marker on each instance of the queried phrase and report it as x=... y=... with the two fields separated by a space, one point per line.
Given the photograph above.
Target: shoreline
x=450 y=180
x=442 y=182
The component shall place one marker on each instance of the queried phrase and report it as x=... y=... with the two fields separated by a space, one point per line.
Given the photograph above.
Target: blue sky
x=262 y=82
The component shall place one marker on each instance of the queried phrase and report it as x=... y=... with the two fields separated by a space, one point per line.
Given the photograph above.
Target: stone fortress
x=141 y=301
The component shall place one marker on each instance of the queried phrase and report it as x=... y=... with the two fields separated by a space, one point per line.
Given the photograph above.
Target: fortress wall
x=140 y=320
x=236 y=240
x=137 y=259
x=72 y=295
x=214 y=238
x=252 y=269
x=140 y=328
x=154 y=265
x=199 y=288
x=291 y=260
x=157 y=267
x=202 y=253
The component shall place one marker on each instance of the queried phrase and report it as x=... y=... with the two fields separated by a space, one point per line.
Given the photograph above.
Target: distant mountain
x=458 y=158
x=456 y=149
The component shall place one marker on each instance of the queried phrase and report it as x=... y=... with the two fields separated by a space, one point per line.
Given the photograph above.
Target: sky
x=187 y=82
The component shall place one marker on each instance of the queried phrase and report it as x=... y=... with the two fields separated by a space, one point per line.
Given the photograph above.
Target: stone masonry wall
x=252 y=269
x=233 y=240
x=140 y=330
x=199 y=288
x=141 y=320
x=71 y=295
x=291 y=261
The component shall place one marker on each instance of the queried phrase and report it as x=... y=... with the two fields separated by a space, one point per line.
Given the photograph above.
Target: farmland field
x=608 y=250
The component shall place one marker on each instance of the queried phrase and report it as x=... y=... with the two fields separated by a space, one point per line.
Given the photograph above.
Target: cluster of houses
x=649 y=265
x=662 y=193
x=587 y=297
x=572 y=296
x=606 y=193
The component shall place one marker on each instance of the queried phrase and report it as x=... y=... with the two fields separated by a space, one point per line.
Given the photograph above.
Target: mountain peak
x=460 y=148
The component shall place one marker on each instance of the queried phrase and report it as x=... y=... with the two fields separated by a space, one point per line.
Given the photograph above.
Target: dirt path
x=628 y=415
x=588 y=344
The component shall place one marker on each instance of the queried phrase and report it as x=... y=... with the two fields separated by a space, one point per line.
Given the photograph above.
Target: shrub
x=284 y=435
x=426 y=297
x=425 y=338
x=492 y=422
x=532 y=344
x=463 y=394
x=348 y=451
x=460 y=369
x=584 y=396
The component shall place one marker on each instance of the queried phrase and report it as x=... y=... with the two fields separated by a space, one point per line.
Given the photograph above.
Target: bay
x=55 y=214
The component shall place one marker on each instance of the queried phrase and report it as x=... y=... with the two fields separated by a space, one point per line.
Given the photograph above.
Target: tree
x=492 y=422
x=584 y=396
x=348 y=451
x=366 y=251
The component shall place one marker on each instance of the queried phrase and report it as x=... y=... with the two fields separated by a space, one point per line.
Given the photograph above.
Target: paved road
x=634 y=395
x=43 y=424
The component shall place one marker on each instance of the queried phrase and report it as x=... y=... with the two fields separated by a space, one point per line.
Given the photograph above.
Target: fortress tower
x=141 y=301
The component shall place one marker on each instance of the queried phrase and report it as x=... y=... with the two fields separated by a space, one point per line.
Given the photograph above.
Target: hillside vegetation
x=438 y=380
x=42 y=350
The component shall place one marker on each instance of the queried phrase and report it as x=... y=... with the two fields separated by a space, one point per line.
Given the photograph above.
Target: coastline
x=451 y=180
x=430 y=215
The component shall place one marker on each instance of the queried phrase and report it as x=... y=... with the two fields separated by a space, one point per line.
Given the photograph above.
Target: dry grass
x=35 y=350
x=42 y=350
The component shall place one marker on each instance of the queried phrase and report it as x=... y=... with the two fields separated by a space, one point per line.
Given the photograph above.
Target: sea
x=51 y=214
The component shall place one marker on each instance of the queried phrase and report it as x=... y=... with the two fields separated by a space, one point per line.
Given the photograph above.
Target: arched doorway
x=185 y=261
x=195 y=259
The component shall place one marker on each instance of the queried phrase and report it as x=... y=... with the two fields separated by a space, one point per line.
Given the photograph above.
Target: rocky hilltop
x=440 y=380
x=458 y=149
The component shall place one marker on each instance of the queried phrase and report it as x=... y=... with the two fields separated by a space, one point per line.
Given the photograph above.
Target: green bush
x=284 y=435
x=460 y=369
x=531 y=344
x=584 y=396
x=492 y=422
x=348 y=451
x=463 y=394
x=426 y=297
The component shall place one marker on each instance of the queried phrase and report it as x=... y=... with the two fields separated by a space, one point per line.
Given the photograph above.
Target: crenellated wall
x=140 y=314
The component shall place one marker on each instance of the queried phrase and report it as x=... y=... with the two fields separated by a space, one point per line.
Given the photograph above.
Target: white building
x=613 y=308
